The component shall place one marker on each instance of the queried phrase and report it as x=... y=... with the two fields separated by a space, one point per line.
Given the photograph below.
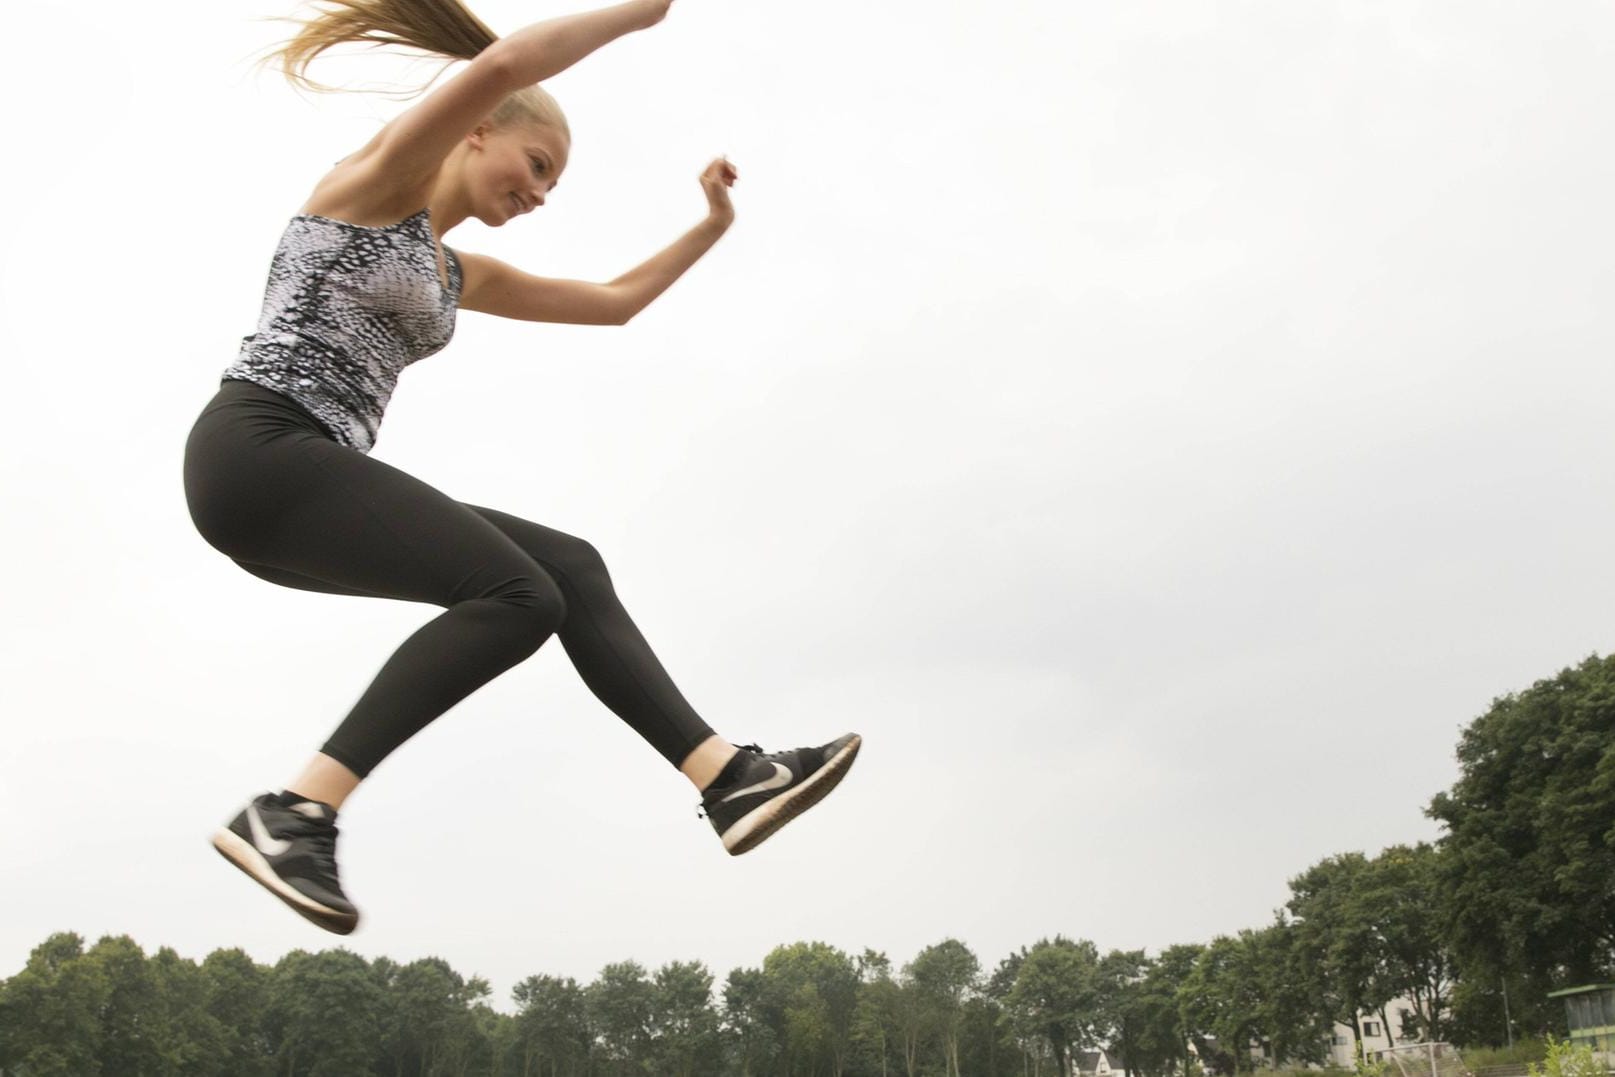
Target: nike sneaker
x=773 y=789
x=291 y=852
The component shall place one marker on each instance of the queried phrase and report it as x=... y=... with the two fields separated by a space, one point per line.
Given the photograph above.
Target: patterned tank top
x=347 y=308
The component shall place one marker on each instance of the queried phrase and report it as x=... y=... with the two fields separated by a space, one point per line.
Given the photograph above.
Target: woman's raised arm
x=416 y=142
x=400 y=163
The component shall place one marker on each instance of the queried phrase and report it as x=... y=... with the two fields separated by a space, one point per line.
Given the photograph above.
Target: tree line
x=1514 y=898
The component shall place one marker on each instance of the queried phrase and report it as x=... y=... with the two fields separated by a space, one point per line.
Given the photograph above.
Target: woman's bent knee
x=581 y=564
x=542 y=606
x=510 y=626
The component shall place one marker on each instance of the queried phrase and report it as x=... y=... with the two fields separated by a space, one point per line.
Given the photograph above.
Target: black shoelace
x=759 y=753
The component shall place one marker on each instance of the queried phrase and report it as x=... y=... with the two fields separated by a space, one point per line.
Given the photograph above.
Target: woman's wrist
x=651 y=12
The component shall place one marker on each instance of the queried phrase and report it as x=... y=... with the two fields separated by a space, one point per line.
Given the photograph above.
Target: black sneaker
x=291 y=852
x=774 y=789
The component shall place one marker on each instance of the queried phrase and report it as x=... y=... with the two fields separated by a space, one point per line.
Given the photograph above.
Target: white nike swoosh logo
x=781 y=778
x=260 y=836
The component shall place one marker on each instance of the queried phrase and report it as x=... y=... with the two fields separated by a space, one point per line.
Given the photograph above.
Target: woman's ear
x=479 y=135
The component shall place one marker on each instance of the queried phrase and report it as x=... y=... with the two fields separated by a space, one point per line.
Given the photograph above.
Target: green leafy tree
x=814 y=988
x=393 y=1050
x=474 y=1046
x=1221 y=1005
x=500 y=1054
x=50 y=1024
x=1296 y=1020
x=237 y=993
x=111 y=1010
x=945 y=976
x=1121 y=981
x=912 y=1021
x=1529 y=847
x=198 y=1044
x=1055 y=998
x=619 y=1005
x=427 y=1014
x=807 y=1030
x=325 y=1014
x=1026 y=1041
x=1481 y=1018
x=986 y=1047
x=135 y=1032
x=1160 y=1036
x=1400 y=895
x=875 y=1021
x=1247 y=991
x=503 y=1032
x=1339 y=951
x=684 y=1025
x=552 y=1027
x=754 y=1026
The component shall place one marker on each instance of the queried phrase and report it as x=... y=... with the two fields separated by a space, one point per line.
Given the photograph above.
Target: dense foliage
x=1516 y=897
x=1527 y=878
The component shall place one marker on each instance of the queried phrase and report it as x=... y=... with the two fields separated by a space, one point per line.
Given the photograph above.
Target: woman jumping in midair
x=276 y=471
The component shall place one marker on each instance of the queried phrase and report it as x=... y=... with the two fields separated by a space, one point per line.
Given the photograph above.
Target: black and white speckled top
x=347 y=308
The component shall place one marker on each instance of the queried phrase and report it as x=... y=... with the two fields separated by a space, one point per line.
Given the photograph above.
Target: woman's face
x=513 y=168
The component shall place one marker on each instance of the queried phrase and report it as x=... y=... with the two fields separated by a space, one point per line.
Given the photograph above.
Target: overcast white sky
x=1157 y=427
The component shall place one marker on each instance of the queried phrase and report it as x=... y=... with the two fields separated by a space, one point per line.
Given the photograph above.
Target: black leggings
x=268 y=487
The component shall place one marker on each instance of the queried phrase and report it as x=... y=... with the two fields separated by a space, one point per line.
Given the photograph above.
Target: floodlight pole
x=1508 y=1022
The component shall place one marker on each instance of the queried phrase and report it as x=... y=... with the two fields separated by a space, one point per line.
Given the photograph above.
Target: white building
x=1099 y=1064
x=1376 y=1037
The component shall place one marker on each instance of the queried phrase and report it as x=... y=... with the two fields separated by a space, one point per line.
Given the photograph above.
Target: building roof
x=1581 y=990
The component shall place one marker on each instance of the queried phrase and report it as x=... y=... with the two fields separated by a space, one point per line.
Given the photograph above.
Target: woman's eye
x=538 y=166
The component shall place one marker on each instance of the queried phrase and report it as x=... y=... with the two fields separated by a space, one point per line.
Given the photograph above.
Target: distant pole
x=1508 y=1022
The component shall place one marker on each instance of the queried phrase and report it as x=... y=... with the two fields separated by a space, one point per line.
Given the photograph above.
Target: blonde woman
x=276 y=471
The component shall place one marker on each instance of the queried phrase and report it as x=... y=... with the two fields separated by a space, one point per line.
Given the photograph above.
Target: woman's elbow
x=501 y=66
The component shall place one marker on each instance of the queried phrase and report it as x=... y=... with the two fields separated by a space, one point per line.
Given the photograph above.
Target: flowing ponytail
x=445 y=28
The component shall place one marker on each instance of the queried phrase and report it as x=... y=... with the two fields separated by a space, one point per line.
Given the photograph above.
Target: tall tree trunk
x=1435 y=1004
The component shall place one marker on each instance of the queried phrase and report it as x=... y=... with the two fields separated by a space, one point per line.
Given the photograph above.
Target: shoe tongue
x=313 y=809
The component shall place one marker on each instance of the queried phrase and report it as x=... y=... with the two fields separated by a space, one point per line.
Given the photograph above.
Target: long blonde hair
x=445 y=28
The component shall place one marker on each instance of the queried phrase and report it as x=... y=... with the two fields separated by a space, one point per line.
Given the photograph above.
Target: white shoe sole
x=757 y=825
x=241 y=853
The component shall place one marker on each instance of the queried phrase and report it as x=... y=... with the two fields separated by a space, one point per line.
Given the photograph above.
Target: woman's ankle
x=706 y=762
x=325 y=780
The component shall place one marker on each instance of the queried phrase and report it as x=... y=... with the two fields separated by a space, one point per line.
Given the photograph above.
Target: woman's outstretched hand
x=716 y=180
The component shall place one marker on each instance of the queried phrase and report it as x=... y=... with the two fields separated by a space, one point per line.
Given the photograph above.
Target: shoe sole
x=239 y=852
x=759 y=824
